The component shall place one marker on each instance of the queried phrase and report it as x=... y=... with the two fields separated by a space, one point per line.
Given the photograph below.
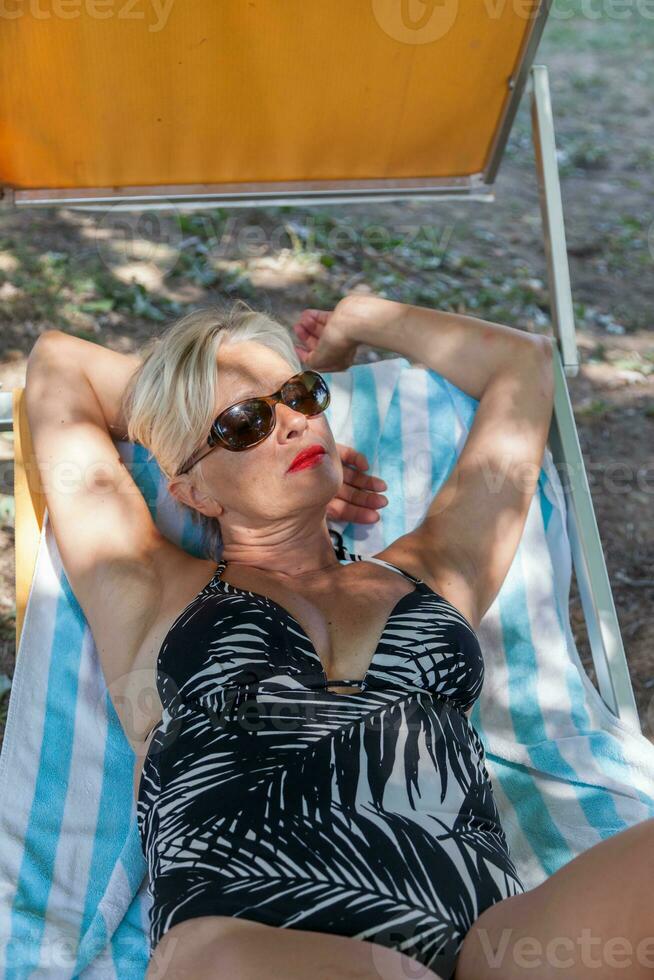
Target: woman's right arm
x=111 y=550
x=107 y=372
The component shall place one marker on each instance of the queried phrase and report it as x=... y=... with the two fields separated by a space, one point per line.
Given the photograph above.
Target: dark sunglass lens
x=245 y=425
x=307 y=393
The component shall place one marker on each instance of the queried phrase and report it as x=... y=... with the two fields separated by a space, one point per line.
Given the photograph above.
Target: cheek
x=338 y=465
x=257 y=471
x=325 y=433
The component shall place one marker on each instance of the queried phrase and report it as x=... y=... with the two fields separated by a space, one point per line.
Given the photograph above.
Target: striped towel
x=566 y=773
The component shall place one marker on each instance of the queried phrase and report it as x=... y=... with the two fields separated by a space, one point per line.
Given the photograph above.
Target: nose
x=290 y=420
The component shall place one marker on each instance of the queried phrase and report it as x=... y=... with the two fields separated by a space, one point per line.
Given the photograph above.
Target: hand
x=327 y=345
x=357 y=501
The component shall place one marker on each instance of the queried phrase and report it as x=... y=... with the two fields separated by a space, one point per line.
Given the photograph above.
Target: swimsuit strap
x=396 y=568
x=339 y=547
x=343 y=553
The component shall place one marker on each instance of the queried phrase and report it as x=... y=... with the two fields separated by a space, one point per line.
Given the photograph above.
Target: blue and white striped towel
x=566 y=773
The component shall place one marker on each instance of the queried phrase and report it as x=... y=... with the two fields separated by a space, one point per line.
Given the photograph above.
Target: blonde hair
x=169 y=401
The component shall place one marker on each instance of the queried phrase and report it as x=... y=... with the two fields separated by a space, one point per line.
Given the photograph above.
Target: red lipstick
x=307 y=457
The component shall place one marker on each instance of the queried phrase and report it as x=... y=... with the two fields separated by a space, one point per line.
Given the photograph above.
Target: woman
x=307 y=760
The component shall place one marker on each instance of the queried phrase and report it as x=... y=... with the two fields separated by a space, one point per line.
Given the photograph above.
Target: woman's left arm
x=465 y=544
x=466 y=350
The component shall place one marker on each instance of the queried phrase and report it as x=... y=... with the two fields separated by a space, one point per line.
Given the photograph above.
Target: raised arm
x=102 y=525
x=467 y=540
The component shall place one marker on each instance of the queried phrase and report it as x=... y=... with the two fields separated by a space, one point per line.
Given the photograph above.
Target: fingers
x=354 y=463
x=340 y=510
x=357 y=500
x=310 y=323
x=301 y=332
x=364 y=481
x=361 y=497
x=314 y=319
x=309 y=340
x=351 y=456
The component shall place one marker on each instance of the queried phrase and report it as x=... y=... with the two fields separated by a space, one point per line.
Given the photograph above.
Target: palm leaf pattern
x=267 y=797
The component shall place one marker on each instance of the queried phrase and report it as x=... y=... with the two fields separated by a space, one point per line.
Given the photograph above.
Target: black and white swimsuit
x=268 y=797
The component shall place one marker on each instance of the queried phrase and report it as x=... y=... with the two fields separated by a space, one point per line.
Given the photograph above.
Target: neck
x=287 y=553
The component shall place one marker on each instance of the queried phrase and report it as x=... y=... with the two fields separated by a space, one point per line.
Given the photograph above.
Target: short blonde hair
x=169 y=401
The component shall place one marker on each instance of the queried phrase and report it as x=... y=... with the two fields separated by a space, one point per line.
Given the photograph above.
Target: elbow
x=540 y=347
x=46 y=344
x=42 y=361
x=545 y=346
x=534 y=362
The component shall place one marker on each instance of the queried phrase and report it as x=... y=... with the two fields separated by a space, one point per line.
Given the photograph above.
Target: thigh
x=185 y=949
x=222 y=948
x=589 y=920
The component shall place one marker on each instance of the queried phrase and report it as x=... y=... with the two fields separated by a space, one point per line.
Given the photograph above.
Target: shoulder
x=443 y=572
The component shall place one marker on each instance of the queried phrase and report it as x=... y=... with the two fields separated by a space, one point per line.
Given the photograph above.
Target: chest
x=344 y=624
x=375 y=628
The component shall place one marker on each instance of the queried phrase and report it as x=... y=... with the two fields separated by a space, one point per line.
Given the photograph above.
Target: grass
x=8 y=624
x=4 y=709
x=578 y=24
x=643 y=365
x=596 y=408
x=7 y=633
x=416 y=264
x=420 y=264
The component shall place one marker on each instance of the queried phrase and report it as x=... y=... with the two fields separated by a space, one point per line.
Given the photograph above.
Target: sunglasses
x=247 y=423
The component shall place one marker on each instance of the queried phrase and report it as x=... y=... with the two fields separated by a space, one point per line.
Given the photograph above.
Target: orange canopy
x=111 y=93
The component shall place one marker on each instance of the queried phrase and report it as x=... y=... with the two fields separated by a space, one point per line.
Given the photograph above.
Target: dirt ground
x=80 y=271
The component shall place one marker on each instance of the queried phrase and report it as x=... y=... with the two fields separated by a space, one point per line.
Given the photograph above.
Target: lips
x=306 y=454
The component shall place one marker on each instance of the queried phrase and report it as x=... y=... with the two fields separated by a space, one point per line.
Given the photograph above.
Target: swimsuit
x=267 y=797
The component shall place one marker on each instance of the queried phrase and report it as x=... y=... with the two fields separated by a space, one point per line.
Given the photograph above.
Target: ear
x=185 y=492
